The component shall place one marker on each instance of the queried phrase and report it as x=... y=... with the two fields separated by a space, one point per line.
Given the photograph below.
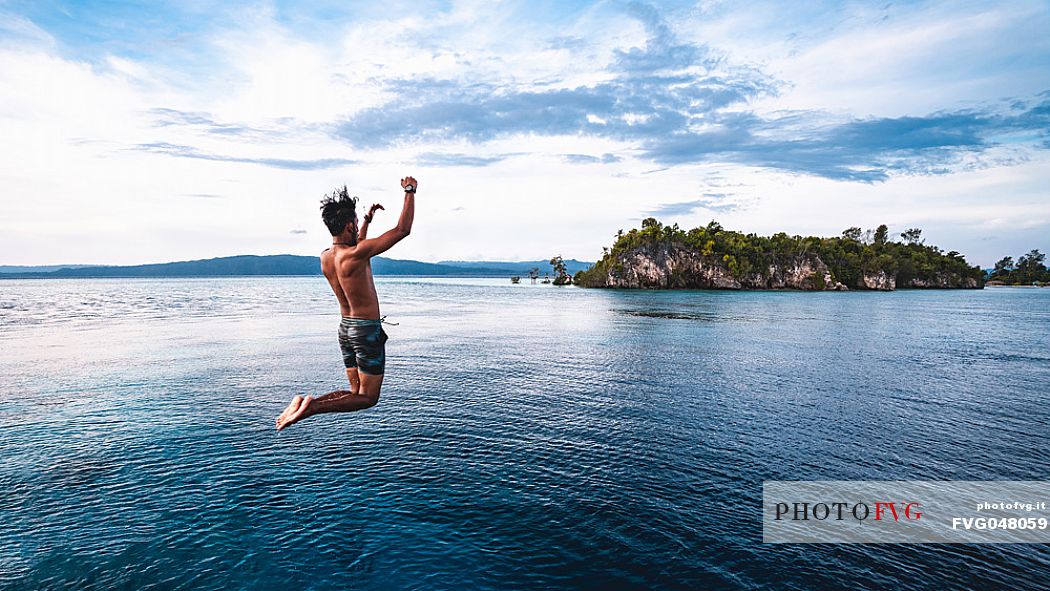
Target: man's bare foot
x=290 y=418
x=292 y=407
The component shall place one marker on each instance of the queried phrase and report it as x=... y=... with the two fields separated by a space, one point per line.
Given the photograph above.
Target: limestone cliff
x=945 y=281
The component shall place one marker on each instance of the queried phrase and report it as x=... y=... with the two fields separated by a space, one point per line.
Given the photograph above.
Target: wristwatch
x=410 y=188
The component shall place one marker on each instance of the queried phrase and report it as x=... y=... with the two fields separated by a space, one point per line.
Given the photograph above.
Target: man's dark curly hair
x=338 y=209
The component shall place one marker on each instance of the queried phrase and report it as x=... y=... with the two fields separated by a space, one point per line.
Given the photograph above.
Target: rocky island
x=709 y=257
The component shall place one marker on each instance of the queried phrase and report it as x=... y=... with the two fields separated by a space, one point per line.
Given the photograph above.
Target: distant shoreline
x=48 y=276
x=994 y=285
x=283 y=265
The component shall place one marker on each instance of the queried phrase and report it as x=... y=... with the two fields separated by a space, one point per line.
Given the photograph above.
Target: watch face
x=410 y=188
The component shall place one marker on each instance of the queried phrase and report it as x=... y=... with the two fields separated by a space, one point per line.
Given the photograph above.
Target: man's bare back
x=347 y=266
x=350 y=276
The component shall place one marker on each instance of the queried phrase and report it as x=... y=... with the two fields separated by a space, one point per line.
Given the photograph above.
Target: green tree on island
x=1004 y=266
x=912 y=236
x=561 y=276
x=1029 y=270
x=882 y=233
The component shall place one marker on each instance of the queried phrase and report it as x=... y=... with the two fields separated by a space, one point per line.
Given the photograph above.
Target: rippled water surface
x=528 y=437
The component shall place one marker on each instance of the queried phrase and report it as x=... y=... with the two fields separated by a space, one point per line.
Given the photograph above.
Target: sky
x=135 y=132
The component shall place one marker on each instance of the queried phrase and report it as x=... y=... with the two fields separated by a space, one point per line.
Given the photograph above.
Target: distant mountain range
x=282 y=264
x=36 y=268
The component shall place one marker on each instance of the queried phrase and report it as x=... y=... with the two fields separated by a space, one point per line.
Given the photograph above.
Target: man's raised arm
x=362 y=234
x=391 y=237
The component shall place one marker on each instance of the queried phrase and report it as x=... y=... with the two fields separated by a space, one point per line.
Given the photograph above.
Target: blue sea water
x=528 y=437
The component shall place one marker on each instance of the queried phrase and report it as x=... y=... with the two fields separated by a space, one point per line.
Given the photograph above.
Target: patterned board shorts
x=363 y=343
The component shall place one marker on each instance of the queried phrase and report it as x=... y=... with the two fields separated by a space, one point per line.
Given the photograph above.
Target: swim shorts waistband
x=351 y=321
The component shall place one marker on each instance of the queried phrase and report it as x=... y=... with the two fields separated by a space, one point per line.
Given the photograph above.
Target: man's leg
x=355 y=381
x=371 y=384
x=338 y=401
x=364 y=351
x=293 y=406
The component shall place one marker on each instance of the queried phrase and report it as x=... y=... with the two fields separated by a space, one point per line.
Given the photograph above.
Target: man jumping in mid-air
x=348 y=267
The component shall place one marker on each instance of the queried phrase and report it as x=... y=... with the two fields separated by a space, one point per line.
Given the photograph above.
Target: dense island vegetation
x=663 y=256
x=1029 y=270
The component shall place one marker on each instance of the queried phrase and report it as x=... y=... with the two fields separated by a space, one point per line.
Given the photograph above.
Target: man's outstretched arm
x=375 y=246
x=363 y=233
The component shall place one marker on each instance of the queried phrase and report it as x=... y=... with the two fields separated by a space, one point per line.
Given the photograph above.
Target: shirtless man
x=348 y=268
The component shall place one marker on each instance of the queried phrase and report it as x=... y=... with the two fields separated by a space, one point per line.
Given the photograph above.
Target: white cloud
x=72 y=170
x=890 y=60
